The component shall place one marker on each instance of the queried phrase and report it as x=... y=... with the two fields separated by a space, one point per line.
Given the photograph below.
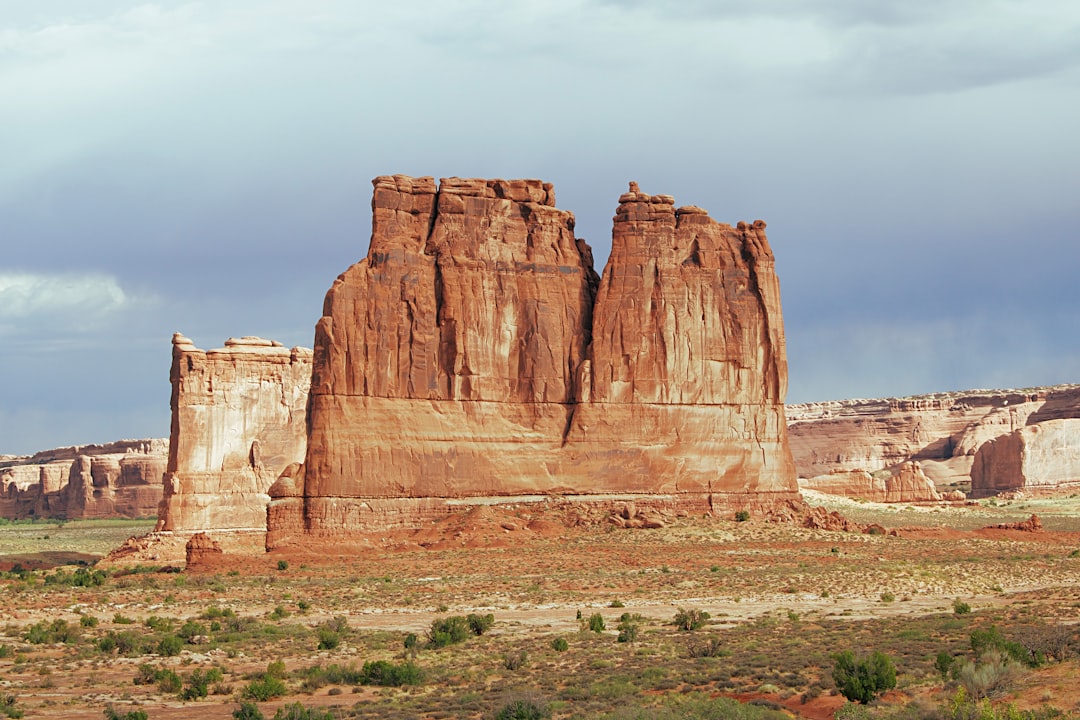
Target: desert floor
x=781 y=601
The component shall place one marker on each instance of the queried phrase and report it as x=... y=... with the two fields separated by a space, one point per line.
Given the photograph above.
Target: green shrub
x=88 y=621
x=560 y=645
x=411 y=641
x=8 y=707
x=159 y=624
x=198 y=683
x=690 y=619
x=248 y=711
x=215 y=613
x=190 y=629
x=713 y=647
x=265 y=688
x=742 y=515
x=960 y=607
x=863 y=680
x=991 y=638
x=596 y=623
x=943 y=663
x=515 y=661
x=887 y=597
x=852 y=711
x=127 y=643
x=448 y=631
x=523 y=709
x=616 y=604
x=628 y=627
x=57 y=631
x=387 y=674
x=170 y=646
x=328 y=639
x=282 y=565
x=168 y=681
x=119 y=619
x=480 y=624
x=112 y=713
x=296 y=711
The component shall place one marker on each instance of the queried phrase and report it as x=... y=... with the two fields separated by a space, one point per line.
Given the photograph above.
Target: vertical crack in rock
x=507 y=366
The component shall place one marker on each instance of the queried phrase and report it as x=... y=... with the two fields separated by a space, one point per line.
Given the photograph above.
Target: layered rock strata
x=944 y=433
x=1038 y=459
x=473 y=355
x=905 y=483
x=238 y=419
x=119 y=479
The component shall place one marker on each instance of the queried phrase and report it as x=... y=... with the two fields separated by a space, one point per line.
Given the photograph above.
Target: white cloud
x=80 y=298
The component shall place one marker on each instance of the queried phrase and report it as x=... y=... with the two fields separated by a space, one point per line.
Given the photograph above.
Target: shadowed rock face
x=474 y=354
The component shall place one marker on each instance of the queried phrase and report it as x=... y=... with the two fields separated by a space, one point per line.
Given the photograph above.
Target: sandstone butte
x=1000 y=440
x=238 y=420
x=118 y=479
x=474 y=356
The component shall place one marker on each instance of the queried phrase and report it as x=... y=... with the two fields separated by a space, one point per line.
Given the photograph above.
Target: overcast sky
x=205 y=167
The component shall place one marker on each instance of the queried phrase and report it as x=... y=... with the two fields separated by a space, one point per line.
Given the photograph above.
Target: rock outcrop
x=942 y=432
x=905 y=483
x=1038 y=459
x=238 y=419
x=119 y=479
x=473 y=356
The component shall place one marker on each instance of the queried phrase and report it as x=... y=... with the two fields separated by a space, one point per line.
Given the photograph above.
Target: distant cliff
x=955 y=437
x=119 y=479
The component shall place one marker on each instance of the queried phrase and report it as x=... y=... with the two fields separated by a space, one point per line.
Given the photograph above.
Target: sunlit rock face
x=906 y=483
x=945 y=433
x=474 y=354
x=1038 y=459
x=118 y=479
x=238 y=419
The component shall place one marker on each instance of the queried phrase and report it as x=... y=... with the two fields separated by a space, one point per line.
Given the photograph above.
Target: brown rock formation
x=473 y=355
x=238 y=419
x=119 y=479
x=1038 y=459
x=202 y=551
x=904 y=483
x=941 y=432
x=1032 y=524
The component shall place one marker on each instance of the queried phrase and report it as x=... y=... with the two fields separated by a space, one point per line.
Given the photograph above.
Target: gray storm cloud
x=205 y=167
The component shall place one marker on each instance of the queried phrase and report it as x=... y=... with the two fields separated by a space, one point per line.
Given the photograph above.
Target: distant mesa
x=118 y=479
x=986 y=441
